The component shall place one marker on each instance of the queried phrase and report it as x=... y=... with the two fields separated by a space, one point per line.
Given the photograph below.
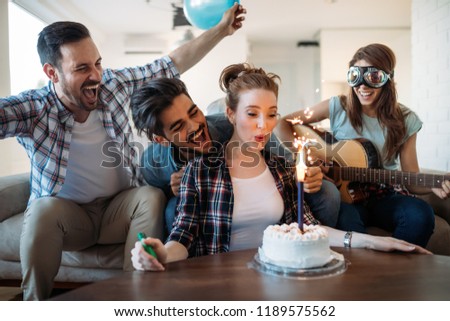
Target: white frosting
x=287 y=246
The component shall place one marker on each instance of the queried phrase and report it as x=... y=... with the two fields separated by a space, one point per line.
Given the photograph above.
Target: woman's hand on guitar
x=443 y=192
x=325 y=170
x=313 y=180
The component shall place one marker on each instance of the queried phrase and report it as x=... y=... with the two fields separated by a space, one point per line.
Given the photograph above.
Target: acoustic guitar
x=357 y=161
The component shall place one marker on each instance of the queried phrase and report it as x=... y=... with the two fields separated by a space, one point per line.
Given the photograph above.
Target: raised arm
x=187 y=55
x=16 y=115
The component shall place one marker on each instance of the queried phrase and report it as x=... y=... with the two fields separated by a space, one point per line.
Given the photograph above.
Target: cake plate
x=337 y=265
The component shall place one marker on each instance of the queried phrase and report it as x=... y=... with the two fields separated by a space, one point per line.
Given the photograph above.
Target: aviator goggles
x=369 y=76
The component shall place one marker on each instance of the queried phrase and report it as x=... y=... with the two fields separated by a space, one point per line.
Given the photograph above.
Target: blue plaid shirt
x=206 y=201
x=43 y=125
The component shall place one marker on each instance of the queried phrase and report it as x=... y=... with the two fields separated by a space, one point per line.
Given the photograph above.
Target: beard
x=75 y=102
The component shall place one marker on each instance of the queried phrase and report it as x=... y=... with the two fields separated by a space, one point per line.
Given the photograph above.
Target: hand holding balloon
x=205 y=14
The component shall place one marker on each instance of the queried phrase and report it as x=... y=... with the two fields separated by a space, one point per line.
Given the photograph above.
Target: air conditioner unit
x=136 y=44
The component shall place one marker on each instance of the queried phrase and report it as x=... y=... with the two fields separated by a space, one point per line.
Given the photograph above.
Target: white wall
x=202 y=80
x=338 y=47
x=431 y=80
x=298 y=69
x=311 y=74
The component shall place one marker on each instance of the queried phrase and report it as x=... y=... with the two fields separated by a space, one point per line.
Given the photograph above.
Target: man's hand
x=313 y=179
x=175 y=181
x=143 y=261
x=187 y=55
x=232 y=18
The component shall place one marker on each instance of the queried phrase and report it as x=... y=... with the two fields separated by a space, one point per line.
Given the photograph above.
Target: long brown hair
x=388 y=109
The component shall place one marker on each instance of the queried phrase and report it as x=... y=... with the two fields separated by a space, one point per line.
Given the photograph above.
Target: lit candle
x=300 y=168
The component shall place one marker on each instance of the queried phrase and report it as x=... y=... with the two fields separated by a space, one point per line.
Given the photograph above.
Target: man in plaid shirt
x=79 y=197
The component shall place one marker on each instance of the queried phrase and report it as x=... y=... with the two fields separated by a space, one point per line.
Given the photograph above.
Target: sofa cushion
x=10 y=238
x=439 y=242
x=14 y=194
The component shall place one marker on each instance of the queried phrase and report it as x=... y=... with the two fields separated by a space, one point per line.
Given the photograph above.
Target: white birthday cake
x=287 y=246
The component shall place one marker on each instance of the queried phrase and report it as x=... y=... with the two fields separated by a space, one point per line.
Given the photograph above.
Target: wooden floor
x=10 y=293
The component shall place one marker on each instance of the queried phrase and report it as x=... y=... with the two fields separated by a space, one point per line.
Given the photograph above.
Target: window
x=25 y=67
x=26 y=73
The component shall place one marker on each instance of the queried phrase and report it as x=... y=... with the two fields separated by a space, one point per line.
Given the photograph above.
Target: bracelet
x=348 y=239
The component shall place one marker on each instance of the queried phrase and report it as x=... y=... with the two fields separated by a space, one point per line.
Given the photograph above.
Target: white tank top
x=86 y=178
x=257 y=204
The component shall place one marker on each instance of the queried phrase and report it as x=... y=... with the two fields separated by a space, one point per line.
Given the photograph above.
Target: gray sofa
x=92 y=264
x=104 y=261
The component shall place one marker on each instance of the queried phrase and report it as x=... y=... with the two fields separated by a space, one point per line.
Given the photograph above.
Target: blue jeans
x=324 y=205
x=169 y=214
x=408 y=218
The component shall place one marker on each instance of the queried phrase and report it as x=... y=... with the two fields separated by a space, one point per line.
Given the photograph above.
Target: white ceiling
x=266 y=20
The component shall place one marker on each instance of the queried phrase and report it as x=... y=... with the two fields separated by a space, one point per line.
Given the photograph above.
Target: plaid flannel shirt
x=205 y=204
x=43 y=125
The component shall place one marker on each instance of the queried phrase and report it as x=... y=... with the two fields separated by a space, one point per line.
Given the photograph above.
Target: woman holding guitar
x=371 y=111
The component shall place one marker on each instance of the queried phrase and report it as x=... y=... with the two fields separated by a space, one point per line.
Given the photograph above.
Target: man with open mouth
x=79 y=197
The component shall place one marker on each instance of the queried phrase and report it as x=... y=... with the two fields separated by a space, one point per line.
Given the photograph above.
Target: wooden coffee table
x=370 y=275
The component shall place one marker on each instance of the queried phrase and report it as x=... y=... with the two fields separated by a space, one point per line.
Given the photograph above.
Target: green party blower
x=141 y=237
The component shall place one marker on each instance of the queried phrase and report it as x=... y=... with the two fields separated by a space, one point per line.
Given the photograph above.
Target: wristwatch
x=348 y=239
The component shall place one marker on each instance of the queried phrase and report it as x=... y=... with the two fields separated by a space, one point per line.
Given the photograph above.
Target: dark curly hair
x=150 y=100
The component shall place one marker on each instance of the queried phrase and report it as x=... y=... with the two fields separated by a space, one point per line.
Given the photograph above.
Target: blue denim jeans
x=408 y=218
x=324 y=205
x=169 y=214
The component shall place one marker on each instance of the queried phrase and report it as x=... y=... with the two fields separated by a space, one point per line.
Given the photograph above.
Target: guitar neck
x=374 y=175
x=357 y=159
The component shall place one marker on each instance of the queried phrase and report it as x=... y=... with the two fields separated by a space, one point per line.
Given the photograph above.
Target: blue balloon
x=205 y=14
